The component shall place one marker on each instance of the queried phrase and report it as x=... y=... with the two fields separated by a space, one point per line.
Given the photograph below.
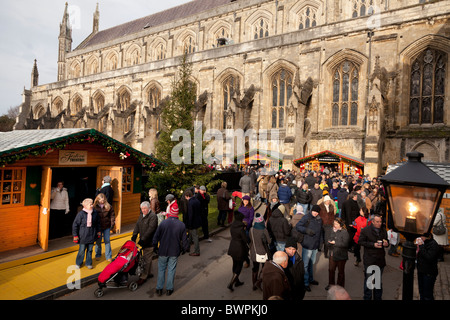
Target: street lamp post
x=414 y=193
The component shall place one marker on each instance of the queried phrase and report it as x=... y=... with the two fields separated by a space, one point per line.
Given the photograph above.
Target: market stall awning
x=329 y=156
x=257 y=154
x=19 y=144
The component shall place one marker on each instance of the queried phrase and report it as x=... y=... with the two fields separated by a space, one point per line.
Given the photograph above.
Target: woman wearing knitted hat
x=259 y=244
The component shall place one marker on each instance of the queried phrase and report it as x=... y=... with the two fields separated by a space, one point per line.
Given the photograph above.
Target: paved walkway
x=45 y=275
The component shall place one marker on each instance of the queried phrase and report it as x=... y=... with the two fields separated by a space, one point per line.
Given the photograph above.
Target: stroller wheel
x=99 y=293
x=133 y=286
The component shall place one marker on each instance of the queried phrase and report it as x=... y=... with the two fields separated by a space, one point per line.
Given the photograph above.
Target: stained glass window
x=281 y=93
x=345 y=94
x=427 y=88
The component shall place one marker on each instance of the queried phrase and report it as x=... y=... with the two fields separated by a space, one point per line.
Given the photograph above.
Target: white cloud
x=30 y=31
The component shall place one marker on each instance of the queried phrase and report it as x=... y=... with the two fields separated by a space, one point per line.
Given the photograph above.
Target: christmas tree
x=176 y=144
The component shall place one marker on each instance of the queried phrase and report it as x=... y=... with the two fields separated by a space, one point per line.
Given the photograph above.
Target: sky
x=30 y=30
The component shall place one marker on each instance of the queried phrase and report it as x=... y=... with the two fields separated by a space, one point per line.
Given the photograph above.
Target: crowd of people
x=278 y=227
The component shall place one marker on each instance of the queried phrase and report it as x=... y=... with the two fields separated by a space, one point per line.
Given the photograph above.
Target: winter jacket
x=223 y=198
x=303 y=197
x=262 y=187
x=194 y=214
x=342 y=197
x=275 y=282
x=204 y=202
x=284 y=193
x=146 y=228
x=427 y=257
x=327 y=216
x=295 y=272
x=249 y=214
x=311 y=227
x=246 y=184
x=259 y=241
x=360 y=224
x=372 y=255
x=107 y=218
x=108 y=191
x=172 y=238
x=339 y=250
x=60 y=200
x=350 y=211
x=86 y=235
x=272 y=190
x=238 y=248
x=278 y=227
x=316 y=194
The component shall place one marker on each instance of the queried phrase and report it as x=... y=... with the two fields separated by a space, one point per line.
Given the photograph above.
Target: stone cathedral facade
x=367 y=78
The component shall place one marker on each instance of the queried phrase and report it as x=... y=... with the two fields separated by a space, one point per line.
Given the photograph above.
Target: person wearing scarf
x=86 y=230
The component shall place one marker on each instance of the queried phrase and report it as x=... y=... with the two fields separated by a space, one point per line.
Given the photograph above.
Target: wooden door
x=116 y=183
x=44 y=209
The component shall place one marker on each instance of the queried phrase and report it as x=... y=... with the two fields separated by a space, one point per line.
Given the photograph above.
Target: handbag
x=439 y=229
x=261 y=258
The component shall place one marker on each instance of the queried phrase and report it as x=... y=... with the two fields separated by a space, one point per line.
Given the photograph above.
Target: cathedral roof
x=172 y=14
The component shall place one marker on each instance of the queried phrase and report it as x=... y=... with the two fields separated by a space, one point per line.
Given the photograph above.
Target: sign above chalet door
x=116 y=183
x=72 y=157
x=44 y=209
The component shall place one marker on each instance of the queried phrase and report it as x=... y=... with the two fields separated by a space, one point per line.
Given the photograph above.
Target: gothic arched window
x=307 y=18
x=362 y=7
x=344 y=107
x=281 y=93
x=189 y=45
x=124 y=100
x=260 y=29
x=230 y=88
x=427 y=92
x=99 y=102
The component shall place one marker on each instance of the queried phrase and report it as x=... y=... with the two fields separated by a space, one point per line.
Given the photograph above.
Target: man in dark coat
x=342 y=196
x=223 y=204
x=106 y=189
x=374 y=240
x=172 y=239
x=279 y=228
x=275 y=281
x=204 y=199
x=311 y=226
x=427 y=266
x=295 y=270
x=350 y=211
x=193 y=221
x=146 y=228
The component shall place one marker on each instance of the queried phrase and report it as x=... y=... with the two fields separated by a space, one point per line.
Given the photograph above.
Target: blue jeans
x=309 y=258
x=305 y=207
x=84 y=248
x=169 y=264
x=98 y=245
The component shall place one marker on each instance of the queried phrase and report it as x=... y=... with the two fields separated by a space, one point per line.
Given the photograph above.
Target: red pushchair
x=128 y=261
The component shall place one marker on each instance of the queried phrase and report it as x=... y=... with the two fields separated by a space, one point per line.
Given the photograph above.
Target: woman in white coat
x=441 y=239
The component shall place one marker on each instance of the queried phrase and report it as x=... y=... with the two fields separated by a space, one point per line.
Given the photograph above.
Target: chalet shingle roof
x=18 y=144
x=178 y=12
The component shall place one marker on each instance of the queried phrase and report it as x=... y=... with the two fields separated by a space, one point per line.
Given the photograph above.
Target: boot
x=254 y=280
x=232 y=281
x=238 y=283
